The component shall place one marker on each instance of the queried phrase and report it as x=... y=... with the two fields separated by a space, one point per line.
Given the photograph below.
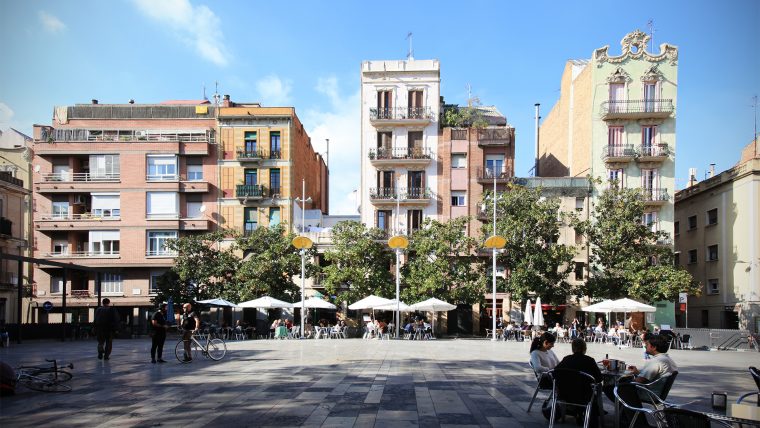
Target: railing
x=459 y=134
x=81 y=217
x=498 y=134
x=553 y=182
x=81 y=254
x=80 y=176
x=189 y=136
x=275 y=154
x=654 y=150
x=160 y=253
x=8 y=178
x=618 y=151
x=485 y=173
x=242 y=153
x=655 y=194
x=162 y=216
x=162 y=177
x=637 y=106
x=250 y=191
x=6 y=226
x=401 y=113
x=404 y=193
x=80 y=294
x=400 y=153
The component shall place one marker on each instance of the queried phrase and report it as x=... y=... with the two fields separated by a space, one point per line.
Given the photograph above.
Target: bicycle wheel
x=179 y=351
x=216 y=349
x=43 y=384
x=56 y=376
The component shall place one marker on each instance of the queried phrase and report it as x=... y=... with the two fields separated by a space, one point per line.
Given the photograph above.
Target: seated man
x=658 y=366
x=578 y=360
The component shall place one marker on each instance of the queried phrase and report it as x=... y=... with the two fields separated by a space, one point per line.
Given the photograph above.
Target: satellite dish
x=36 y=168
x=202 y=209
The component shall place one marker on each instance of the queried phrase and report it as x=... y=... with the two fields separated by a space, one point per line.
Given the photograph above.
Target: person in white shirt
x=660 y=365
x=542 y=358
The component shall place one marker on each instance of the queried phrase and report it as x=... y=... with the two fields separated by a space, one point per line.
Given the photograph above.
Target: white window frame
x=713 y=286
x=153 y=282
x=106 y=205
x=195 y=173
x=156 y=242
x=649 y=219
x=60 y=247
x=458 y=160
x=458 y=198
x=616 y=174
x=56 y=285
x=104 y=167
x=161 y=168
x=59 y=210
x=193 y=209
x=156 y=208
x=104 y=242
x=112 y=284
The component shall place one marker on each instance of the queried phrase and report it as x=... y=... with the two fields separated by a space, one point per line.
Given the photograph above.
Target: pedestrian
x=106 y=324
x=190 y=324
x=160 y=326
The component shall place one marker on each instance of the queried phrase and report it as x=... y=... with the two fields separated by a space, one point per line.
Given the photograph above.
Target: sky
x=307 y=54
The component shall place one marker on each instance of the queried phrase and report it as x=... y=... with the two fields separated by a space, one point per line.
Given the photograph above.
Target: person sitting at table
x=273 y=327
x=660 y=365
x=542 y=358
x=578 y=360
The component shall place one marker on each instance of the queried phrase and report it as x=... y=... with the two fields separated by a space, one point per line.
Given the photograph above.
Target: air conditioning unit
x=79 y=200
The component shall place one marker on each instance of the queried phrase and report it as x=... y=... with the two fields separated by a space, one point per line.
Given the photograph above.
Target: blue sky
x=308 y=53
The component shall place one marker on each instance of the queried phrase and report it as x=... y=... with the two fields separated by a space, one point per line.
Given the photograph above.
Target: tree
x=626 y=259
x=441 y=265
x=359 y=263
x=269 y=264
x=535 y=261
x=458 y=117
x=201 y=270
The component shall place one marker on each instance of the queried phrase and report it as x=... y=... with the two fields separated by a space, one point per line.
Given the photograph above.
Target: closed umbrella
x=538 y=316
x=528 y=314
x=170 y=311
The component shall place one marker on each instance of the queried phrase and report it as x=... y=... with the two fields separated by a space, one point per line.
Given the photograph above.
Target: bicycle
x=43 y=378
x=213 y=347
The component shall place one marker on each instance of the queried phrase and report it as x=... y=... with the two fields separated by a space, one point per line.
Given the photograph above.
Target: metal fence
x=716 y=338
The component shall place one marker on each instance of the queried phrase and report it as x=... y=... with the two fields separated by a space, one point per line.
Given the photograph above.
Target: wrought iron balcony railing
x=486 y=173
x=242 y=153
x=656 y=107
x=618 y=151
x=656 y=150
x=250 y=191
x=401 y=113
x=400 y=153
x=655 y=194
x=404 y=193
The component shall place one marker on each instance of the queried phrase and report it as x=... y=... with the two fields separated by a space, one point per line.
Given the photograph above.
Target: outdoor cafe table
x=610 y=377
x=742 y=414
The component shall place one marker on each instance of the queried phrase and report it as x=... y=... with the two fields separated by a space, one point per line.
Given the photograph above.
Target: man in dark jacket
x=106 y=324
x=580 y=361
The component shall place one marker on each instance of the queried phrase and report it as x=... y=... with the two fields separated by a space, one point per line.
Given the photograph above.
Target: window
x=705 y=318
x=616 y=177
x=104 y=167
x=251 y=177
x=712 y=217
x=274 y=145
x=414 y=143
x=415 y=184
x=712 y=253
x=193 y=207
x=249 y=139
x=692 y=256
x=384 y=104
x=106 y=205
x=386 y=184
x=195 y=173
x=692 y=222
x=104 y=242
x=458 y=160
x=713 y=286
x=250 y=220
x=649 y=219
x=60 y=246
x=61 y=173
x=617 y=94
x=677 y=258
x=579 y=267
x=60 y=209
x=578 y=237
x=162 y=204
x=650 y=179
x=274 y=216
x=157 y=240
x=414 y=220
x=162 y=168
x=111 y=283
x=579 y=202
x=56 y=285
x=458 y=198
x=383 y=220
x=274 y=181
x=650 y=95
x=615 y=141
x=494 y=166
x=153 y=286
x=385 y=141
x=648 y=144
x=677 y=228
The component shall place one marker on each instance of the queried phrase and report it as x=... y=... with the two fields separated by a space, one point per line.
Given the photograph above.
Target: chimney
x=94 y=101
x=226 y=101
x=712 y=170
x=692 y=176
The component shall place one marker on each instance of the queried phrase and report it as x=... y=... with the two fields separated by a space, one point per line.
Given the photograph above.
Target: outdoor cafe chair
x=756 y=376
x=240 y=334
x=543 y=383
x=673 y=417
x=661 y=387
x=573 y=388
x=633 y=397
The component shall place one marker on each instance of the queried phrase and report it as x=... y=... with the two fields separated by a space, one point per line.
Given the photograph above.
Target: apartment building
x=615 y=120
x=717 y=239
x=265 y=158
x=111 y=184
x=13 y=201
x=400 y=109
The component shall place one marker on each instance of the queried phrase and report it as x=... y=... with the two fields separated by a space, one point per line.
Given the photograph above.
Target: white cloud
x=340 y=122
x=196 y=26
x=50 y=22
x=6 y=116
x=273 y=91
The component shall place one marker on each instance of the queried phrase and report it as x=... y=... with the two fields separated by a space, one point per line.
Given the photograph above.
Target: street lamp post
x=303 y=243
x=494 y=242
x=398 y=243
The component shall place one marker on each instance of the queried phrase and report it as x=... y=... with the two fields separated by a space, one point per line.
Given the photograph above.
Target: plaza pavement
x=329 y=383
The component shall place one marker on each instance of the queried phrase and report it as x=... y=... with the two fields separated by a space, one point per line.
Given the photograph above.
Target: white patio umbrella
x=629 y=305
x=369 y=302
x=434 y=305
x=538 y=315
x=402 y=307
x=318 y=303
x=265 y=302
x=528 y=314
x=217 y=302
x=603 y=306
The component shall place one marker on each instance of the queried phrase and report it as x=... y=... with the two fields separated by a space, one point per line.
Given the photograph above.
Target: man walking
x=106 y=323
x=159 y=334
x=190 y=324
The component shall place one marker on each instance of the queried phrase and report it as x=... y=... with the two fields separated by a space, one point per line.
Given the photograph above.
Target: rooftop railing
x=127 y=135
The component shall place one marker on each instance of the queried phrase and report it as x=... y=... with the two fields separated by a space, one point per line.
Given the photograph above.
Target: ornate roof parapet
x=634 y=46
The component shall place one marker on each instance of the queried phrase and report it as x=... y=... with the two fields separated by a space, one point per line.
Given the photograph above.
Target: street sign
x=48 y=305
x=682 y=297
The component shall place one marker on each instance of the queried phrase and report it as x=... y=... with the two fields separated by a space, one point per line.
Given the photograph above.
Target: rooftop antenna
x=754 y=106
x=410 y=55
x=204 y=92
x=216 y=93
x=650 y=25
x=469 y=94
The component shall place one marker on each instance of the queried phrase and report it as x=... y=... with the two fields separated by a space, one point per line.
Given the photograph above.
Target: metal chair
x=540 y=386
x=756 y=376
x=661 y=387
x=574 y=388
x=633 y=396
x=673 y=417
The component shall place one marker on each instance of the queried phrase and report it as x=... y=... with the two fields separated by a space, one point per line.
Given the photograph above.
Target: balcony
x=163 y=253
x=405 y=196
x=637 y=109
x=194 y=224
x=655 y=196
x=487 y=175
x=401 y=116
x=654 y=153
x=68 y=221
x=77 y=140
x=194 y=186
x=496 y=137
x=623 y=153
x=77 y=182
x=250 y=192
x=83 y=254
x=400 y=156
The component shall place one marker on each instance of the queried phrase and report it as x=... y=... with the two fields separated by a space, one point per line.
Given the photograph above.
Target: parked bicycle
x=209 y=346
x=45 y=378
